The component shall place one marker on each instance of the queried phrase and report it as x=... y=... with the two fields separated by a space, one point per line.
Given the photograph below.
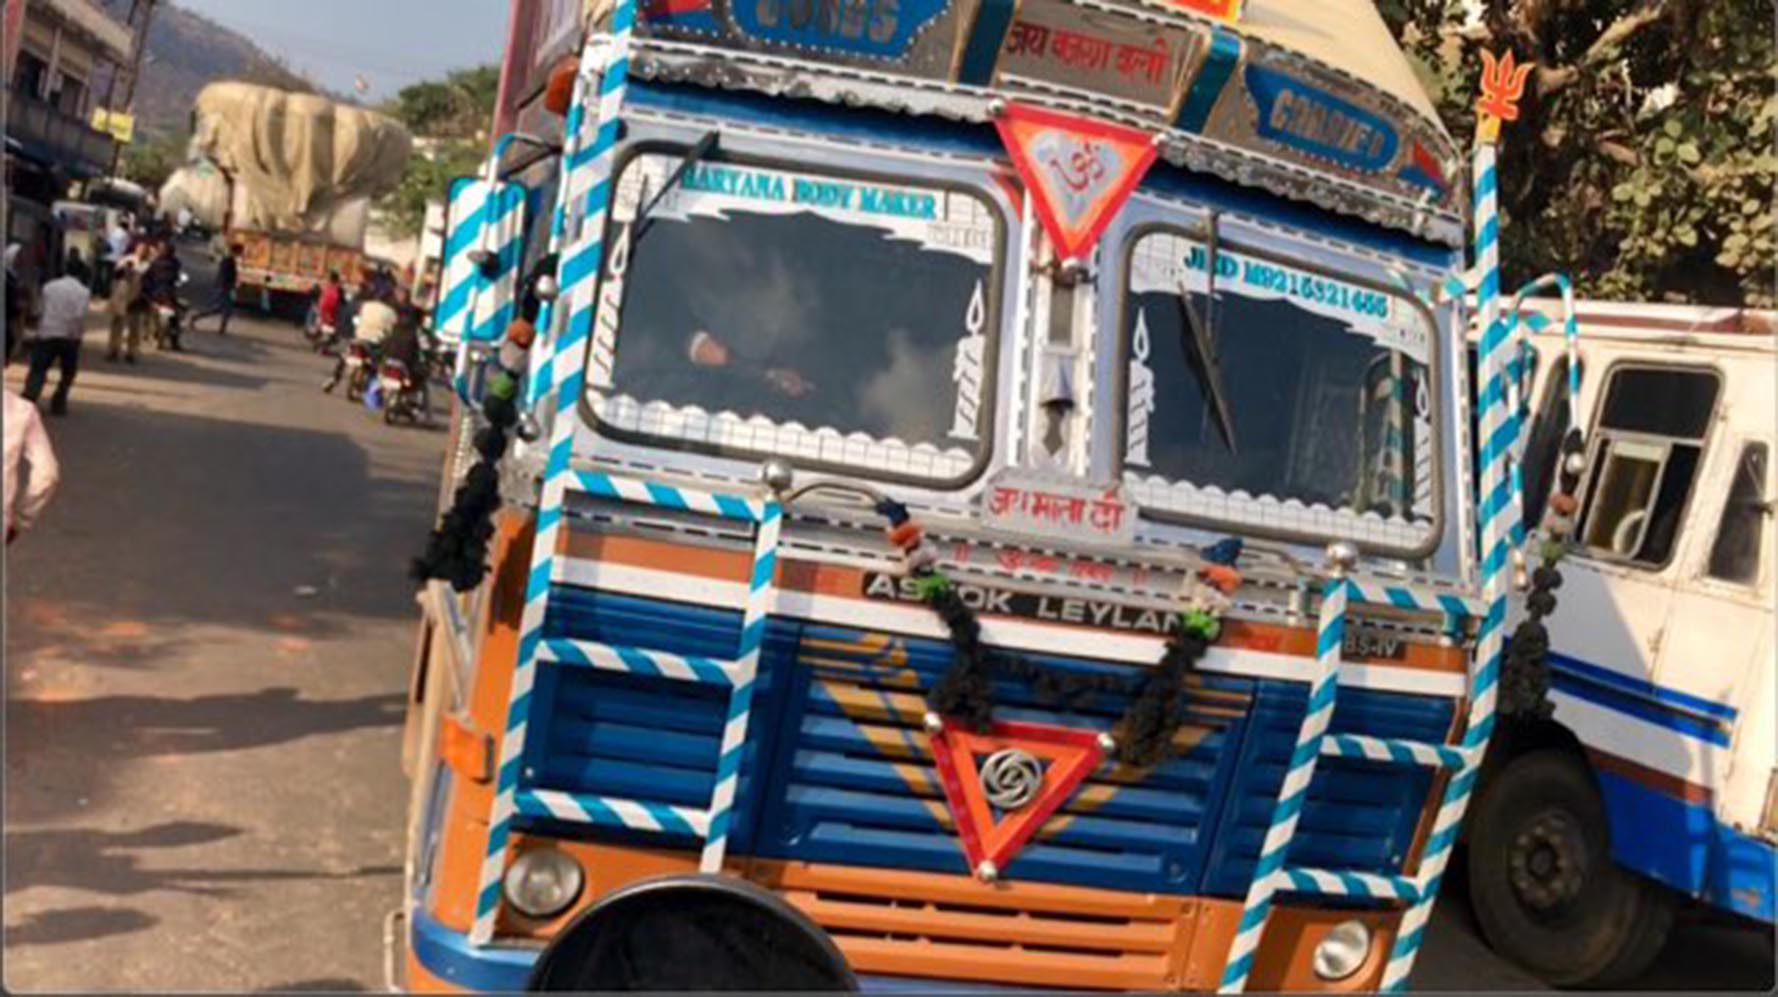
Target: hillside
x=187 y=51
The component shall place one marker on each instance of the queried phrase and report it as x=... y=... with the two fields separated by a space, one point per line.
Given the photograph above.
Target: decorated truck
x=958 y=493
x=291 y=176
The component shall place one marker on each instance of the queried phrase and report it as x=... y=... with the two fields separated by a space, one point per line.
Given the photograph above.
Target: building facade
x=58 y=53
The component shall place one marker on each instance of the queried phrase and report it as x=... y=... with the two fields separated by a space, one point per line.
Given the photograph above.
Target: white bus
x=1660 y=749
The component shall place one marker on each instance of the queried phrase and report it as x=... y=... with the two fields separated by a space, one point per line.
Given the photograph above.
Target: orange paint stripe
x=848 y=583
x=1661 y=782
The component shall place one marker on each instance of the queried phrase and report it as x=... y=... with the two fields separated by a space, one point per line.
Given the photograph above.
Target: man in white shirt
x=62 y=321
x=31 y=471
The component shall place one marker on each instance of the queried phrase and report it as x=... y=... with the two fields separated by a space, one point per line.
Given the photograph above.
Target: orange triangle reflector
x=1080 y=170
x=1071 y=756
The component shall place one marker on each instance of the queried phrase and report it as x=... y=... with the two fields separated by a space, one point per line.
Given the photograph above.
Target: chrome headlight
x=543 y=883
x=1343 y=952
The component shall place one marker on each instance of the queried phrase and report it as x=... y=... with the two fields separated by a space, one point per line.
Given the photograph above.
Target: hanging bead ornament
x=1144 y=734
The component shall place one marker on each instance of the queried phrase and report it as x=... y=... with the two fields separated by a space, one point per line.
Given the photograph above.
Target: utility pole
x=141 y=13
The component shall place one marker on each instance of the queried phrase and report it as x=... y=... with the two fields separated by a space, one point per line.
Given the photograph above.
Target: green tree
x=459 y=106
x=455 y=113
x=152 y=158
x=428 y=178
x=1644 y=162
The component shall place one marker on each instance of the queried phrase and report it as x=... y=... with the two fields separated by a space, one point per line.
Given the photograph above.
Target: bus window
x=840 y=320
x=1544 y=446
x=1647 y=448
x=1740 y=537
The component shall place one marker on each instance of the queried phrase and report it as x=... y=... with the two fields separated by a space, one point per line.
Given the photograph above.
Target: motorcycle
x=174 y=312
x=403 y=397
x=358 y=369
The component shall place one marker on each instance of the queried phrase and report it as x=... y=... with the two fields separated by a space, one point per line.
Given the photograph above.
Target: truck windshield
x=826 y=317
x=1327 y=386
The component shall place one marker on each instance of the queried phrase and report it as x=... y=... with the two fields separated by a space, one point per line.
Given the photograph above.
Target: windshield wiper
x=1199 y=340
x=693 y=155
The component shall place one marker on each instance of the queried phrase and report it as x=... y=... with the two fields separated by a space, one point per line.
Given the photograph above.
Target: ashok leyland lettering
x=969 y=493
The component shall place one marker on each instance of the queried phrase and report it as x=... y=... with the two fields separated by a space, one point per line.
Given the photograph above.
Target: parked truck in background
x=289 y=178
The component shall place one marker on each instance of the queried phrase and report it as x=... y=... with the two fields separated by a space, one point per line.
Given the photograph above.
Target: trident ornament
x=1503 y=85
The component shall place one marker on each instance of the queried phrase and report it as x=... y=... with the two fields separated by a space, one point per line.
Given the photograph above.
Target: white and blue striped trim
x=578 y=808
x=1383 y=749
x=1420 y=600
x=1294 y=792
x=1499 y=528
x=1340 y=883
x=563 y=349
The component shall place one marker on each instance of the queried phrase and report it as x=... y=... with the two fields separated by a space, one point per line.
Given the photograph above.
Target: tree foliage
x=152 y=158
x=1643 y=163
x=451 y=116
x=460 y=106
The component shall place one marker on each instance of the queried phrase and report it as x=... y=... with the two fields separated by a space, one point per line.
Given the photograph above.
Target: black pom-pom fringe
x=457 y=550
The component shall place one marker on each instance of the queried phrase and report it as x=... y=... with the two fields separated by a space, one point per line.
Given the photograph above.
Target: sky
x=390 y=42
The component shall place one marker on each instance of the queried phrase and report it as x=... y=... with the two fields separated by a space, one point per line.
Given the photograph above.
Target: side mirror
x=485 y=225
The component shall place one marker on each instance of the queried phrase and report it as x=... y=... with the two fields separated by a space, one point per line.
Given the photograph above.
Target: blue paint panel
x=1360 y=815
x=986 y=37
x=981 y=140
x=1643 y=688
x=819 y=786
x=641 y=737
x=1683 y=845
x=1206 y=89
x=883 y=29
x=1316 y=123
x=448 y=955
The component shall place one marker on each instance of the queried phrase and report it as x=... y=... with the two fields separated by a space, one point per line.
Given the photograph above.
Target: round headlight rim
x=1358 y=937
x=511 y=884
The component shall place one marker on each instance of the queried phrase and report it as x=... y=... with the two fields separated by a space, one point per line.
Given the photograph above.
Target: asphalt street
x=208 y=639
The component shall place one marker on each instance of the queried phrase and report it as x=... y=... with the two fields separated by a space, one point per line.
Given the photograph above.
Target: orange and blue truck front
x=990 y=506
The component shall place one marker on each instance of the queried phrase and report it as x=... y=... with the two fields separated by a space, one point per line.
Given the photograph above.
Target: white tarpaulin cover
x=199 y=188
x=295 y=158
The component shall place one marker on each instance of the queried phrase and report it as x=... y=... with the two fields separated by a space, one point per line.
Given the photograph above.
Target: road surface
x=208 y=640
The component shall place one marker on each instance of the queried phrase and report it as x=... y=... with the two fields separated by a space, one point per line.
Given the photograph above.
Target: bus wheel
x=1544 y=887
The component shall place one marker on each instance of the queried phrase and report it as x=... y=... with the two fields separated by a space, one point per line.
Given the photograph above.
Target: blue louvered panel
x=859 y=787
x=1360 y=815
x=645 y=738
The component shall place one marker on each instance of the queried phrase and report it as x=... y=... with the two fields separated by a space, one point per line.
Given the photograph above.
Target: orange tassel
x=559 y=95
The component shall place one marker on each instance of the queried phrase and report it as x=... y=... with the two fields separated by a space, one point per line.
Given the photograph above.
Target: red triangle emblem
x=1072 y=756
x=1080 y=170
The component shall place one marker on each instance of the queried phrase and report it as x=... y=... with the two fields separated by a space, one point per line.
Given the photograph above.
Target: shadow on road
x=109 y=732
x=109 y=862
x=202 y=520
x=77 y=924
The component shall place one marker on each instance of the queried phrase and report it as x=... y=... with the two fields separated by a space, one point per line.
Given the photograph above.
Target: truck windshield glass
x=824 y=317
x=1326 y=380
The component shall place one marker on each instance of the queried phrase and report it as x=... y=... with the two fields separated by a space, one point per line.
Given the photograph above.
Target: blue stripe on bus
x=1683 y=845
x=1642 y=687
x=1628 y=704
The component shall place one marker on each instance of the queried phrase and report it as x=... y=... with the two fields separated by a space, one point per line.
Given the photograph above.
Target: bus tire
x=1545 y=890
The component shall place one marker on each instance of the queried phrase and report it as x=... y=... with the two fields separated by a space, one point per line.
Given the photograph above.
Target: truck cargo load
x=297 y=156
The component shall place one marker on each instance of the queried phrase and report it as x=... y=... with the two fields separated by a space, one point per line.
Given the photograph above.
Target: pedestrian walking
x=15 y=300
x=61 y=322
x=128 y=311
x=228 y=275
x=31 y=471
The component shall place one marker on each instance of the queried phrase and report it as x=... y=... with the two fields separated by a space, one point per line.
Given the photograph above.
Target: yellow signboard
x=121 y=125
